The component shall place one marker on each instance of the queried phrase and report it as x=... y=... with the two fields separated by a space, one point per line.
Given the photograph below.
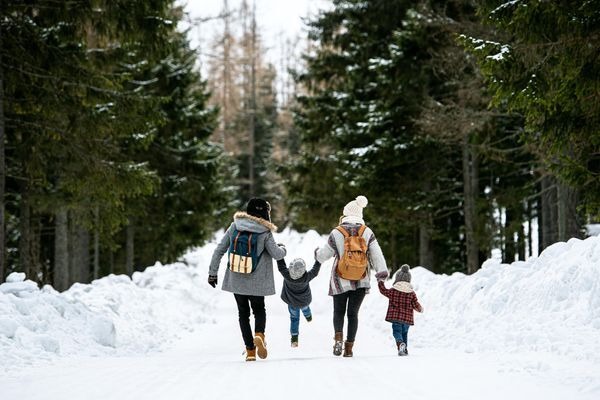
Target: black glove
x=212 y=280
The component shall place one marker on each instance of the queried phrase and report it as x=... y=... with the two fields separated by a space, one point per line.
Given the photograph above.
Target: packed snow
x=525 y=330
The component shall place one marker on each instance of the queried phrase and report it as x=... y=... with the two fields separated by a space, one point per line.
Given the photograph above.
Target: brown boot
x=348 y=349
x=337 y=345
x=261 y=344
x=250 y=354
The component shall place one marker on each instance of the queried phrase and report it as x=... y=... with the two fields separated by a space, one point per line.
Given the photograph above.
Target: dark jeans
x=400 y=332
x=257 y=303
x=349 y=301
x=295 y=318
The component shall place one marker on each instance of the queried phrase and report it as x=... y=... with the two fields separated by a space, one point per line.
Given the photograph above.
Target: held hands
x=316 y=250
x=212 y=280
x=281 y=245
x=381 y=276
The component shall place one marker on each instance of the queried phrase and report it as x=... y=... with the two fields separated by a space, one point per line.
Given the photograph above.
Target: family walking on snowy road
x=252 y=248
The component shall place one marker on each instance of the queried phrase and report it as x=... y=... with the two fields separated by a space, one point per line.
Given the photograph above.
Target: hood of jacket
x=403 y=286
x=249 y=223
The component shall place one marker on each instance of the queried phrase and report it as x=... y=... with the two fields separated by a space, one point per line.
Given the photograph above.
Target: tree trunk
x=2 y=173
x=521 y=237
x=26 y=236
x=226 y=84
x=252 y=119
x=425 y=246
x=529 y=217
x=36 y=251
x=79 y=252
x=540 y=221
x=568 y=221
x=471 y=190
x=509 y=237
x=96 y=272
x=111 y=262
x=394 y=248
x=84 y=254
x=549 y=218
x=129 y=249
x=61 y=250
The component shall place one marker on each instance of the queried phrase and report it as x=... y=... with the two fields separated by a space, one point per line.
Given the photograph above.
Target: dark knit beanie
x=403 y=274
x=259 y=208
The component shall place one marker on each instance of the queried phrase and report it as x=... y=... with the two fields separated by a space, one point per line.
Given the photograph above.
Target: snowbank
x=113 y=315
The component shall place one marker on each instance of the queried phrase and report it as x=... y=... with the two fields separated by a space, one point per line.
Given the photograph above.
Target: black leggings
x=353 y=299
x=244 y=303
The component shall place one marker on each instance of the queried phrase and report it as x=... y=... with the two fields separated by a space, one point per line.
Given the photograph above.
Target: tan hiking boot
x=261 y=344
x=250 y=354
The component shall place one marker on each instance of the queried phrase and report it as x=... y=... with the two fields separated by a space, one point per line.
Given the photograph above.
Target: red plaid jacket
x=401 y=306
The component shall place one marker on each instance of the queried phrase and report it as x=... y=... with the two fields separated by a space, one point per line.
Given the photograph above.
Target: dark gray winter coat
x=261 y=282
x=296 y=292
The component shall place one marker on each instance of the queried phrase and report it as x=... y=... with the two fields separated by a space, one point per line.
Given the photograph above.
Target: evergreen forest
x=472 y=126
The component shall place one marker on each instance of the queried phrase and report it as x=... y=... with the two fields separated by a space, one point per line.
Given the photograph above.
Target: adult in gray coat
x=250 y=289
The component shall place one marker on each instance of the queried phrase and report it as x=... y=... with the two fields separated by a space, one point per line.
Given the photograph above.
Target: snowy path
x=208 y=364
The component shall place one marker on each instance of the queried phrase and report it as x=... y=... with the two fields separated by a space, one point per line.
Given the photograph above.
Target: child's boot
x=250 y=354
x=338 y=343
x=261 y=344
x=294 y=340
x=348 y=349
x=401 y=348
x=308 y=318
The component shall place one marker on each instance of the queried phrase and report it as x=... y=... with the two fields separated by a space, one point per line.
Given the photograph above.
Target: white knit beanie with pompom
x=355 y=207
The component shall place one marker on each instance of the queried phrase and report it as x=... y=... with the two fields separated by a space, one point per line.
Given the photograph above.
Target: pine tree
x=397 y=110
x=189 y=201
x=83 y=100
x=543 y=63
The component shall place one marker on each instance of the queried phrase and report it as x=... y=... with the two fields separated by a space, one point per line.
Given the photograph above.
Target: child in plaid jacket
x=402 y=302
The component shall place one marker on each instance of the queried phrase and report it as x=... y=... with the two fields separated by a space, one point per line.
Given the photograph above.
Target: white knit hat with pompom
x=355 y=207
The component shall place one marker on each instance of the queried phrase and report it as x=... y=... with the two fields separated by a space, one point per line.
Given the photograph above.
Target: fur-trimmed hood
x=246 y=222
x=403 y=286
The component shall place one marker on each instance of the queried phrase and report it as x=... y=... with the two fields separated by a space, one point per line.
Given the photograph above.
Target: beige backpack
x=353 y=263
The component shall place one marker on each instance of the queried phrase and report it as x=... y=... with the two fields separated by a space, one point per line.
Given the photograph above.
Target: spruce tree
x=543 y=63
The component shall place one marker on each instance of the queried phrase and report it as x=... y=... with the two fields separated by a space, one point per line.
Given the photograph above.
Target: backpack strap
x=236 y=239
x=343 y=231
x=361 y=230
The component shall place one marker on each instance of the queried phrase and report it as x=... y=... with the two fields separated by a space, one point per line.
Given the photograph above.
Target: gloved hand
x=316 y=250
x=212 y=280
x=381 y=276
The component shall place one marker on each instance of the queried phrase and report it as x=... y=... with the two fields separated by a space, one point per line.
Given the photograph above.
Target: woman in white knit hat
x=348 y=289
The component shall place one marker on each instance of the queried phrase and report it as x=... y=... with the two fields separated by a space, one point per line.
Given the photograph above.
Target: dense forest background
x=472 y=127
